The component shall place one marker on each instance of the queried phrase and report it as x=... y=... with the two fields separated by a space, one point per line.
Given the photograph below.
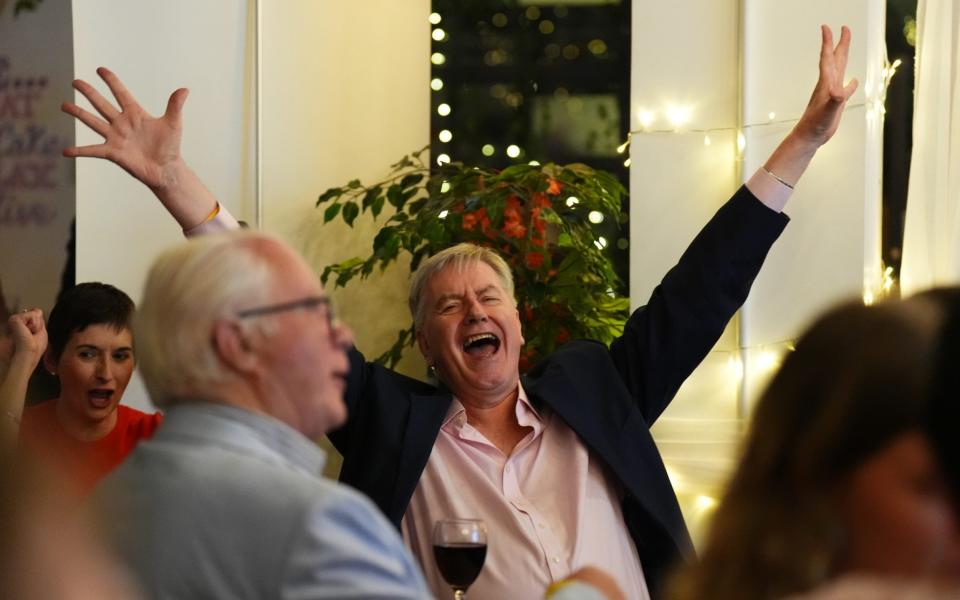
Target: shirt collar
x=243 y=429
x=527 y=415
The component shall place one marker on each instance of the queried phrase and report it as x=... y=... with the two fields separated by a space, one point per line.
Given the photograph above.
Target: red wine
x=460 y=563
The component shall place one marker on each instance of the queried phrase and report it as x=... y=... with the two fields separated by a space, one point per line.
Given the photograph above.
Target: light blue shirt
x=226 y=503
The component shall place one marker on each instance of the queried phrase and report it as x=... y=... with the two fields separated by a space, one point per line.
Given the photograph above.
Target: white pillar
x=728 y=66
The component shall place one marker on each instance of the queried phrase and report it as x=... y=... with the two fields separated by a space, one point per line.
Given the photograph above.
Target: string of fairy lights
x=759 y=361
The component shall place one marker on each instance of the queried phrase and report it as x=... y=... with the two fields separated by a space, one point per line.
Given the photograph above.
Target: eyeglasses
x=309 y=303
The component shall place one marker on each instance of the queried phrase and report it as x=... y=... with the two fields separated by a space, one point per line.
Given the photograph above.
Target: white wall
x=688 y=54
x=345 y=93
x=156 y=48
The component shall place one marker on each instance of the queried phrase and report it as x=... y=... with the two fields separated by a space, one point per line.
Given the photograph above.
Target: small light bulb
x=679 y=115
x=513 y=151
x=595 y=217
x=646 y=118
x=443 y=159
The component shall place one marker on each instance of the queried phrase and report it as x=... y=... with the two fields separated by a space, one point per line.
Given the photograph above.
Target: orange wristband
x=213 y=213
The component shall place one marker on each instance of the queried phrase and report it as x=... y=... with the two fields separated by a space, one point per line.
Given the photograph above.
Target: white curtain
x=931 y=247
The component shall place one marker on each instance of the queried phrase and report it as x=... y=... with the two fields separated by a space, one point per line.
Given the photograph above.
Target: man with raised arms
x=560 y=463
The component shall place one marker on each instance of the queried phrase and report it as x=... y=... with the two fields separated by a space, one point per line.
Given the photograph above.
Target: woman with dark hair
x=85 y=431
x=837 y=475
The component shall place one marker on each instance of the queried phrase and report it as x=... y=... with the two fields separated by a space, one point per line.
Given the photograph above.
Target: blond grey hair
x=458 y=256
x=190 y=287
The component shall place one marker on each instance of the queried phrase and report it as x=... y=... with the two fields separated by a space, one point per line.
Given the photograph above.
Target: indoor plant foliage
x=534 y=216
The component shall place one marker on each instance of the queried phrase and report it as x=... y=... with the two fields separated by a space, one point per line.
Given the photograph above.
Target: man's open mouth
x=481 y=344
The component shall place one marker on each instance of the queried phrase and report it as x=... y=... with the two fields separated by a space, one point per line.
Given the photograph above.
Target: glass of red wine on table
x=460 y=547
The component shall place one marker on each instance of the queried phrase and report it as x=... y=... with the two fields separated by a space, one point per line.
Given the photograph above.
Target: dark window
x=898 y=126
x=516 y=81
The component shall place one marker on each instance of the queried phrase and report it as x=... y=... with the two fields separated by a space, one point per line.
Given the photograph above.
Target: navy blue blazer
x=609 y=396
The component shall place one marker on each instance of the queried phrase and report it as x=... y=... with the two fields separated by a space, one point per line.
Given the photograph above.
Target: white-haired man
x=560 y=463
x=238 y=343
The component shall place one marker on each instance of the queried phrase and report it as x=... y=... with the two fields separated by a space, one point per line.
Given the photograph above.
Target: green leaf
x=327 y=195
x=377 y=205
x=370 y=196
x=382 y=238
x=411 y=180
x=331 y=212
x=343 y=278
x=416 y=206
x=350 y=212
x=395 y=195
x=354 y=184
x=403 y=163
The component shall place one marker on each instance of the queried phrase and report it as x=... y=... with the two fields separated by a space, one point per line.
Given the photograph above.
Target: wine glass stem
x=459 y=595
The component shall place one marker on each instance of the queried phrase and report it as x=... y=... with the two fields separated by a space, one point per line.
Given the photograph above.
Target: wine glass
x=460 y=547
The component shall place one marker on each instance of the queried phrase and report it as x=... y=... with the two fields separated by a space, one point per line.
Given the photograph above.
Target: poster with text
x=37 y=191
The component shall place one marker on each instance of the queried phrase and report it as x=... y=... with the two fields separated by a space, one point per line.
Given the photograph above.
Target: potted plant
x=535 y=216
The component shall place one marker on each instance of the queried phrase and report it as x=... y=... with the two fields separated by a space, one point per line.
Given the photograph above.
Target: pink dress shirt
x=549 y=508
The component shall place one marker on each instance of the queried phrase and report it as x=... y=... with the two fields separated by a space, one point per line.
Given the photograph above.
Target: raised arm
x=147 y=147
x=816 y=126
x=29 y=342
x=665 y=340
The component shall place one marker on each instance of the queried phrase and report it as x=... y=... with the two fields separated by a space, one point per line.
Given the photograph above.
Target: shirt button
x=541 y=526
x=556 y=560
x=507 y=469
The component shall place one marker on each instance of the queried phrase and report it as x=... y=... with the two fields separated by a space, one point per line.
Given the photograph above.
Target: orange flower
x=477 y=217
x=534 y=260
x=538 y=224
x=513 y=208
x=541 y=201
x=514 y=228
x=562 y=336
x=554 y=188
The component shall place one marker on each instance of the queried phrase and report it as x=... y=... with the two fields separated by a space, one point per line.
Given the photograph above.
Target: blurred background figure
x=837 y=476
x=49 y=551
